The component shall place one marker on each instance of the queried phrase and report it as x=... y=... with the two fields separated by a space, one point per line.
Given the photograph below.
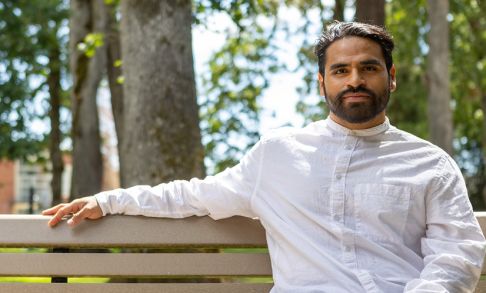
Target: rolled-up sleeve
x=453 y=247
x=224 y=195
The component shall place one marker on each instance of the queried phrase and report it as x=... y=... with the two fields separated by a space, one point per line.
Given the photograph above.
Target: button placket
x=348 y=242
x=349 y=253
x=338 y=181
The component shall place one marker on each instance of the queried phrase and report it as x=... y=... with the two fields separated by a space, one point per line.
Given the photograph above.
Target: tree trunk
x=87 y=73
x=338 y=10
x=477 y=30
x=55 y=137
x=112 y=37
x=161 y=138
x=439 y=110
x=370 y=11
x=483 y=141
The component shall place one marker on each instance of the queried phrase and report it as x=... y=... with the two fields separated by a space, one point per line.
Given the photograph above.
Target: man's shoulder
x=417 y=142
x=287 y=133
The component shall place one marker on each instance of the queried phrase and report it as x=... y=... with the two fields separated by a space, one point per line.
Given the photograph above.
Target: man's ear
x=320 y=78
x=393 y=80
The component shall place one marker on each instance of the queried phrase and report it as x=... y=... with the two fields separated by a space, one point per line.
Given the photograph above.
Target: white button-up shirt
x=375 y=210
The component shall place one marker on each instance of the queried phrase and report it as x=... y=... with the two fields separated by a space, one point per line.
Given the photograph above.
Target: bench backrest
x=230 y=252
x=481 y=287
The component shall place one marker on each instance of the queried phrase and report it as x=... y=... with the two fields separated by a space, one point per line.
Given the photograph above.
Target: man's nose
x=355 y=79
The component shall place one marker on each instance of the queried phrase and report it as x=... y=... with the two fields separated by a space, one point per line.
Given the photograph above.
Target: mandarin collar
x=361 y=132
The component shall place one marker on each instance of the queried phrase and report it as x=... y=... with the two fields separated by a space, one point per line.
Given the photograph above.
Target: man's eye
x=370 y=68
x=340 y=71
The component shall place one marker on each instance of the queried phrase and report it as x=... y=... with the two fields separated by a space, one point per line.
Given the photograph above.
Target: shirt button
x=347 y=147
x=347 y=248
x=336 y=217
x=338 y=176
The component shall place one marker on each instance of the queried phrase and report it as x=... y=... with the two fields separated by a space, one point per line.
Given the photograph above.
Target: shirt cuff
x=103 y=200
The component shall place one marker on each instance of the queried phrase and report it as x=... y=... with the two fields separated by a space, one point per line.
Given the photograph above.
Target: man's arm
x=454 y=246
x=223 y=195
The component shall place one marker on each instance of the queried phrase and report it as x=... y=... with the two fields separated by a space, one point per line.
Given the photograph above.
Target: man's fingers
x=52 y=210
x=62 y=212
x=82 y=208
x=57 y=217
x=78 y=217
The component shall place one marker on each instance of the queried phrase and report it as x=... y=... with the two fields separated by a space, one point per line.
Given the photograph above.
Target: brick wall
x=7 y=186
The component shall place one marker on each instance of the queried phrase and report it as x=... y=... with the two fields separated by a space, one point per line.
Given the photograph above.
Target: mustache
x=359 y=89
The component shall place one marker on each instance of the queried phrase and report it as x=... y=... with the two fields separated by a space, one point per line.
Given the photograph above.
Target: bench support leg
x=59 y=279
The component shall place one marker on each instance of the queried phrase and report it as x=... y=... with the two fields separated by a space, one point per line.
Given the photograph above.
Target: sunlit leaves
x=91 y=43
x=112 y=2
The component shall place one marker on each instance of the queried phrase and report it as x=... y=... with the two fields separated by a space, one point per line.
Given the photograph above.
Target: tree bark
x=113 y=50
x=439 y=95
x=483 y=141
x=55 y=136
x=87 y=73
x=338 y=10
x=161 y=137
x=477 y=30
x=370 y=11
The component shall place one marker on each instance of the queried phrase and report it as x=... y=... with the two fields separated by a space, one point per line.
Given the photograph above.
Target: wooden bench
x=118 y=233
x=153 y=252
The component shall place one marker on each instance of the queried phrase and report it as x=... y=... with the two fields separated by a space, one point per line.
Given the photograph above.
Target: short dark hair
x=338 y=30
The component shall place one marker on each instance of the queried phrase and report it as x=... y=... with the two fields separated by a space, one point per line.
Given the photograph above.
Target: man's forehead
x=353 y=49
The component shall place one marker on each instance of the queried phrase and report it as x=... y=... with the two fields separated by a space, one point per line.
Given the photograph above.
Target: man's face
x=356 y=84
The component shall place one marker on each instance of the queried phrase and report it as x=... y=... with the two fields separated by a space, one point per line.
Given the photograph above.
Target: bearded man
x=349 y=203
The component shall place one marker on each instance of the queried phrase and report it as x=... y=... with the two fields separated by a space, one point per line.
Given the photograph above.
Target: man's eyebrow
x=365 y=62
x=337 y=65
x=370 y=62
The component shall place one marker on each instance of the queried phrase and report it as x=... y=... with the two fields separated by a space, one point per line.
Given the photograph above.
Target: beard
x=359 y=112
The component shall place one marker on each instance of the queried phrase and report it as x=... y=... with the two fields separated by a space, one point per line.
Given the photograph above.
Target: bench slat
x=135 y=264
x=146 y=288
x=32 y=231
x=481 y=217
x=481 y=287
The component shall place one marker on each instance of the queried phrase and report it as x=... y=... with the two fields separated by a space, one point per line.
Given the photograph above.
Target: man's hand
x=82 y=208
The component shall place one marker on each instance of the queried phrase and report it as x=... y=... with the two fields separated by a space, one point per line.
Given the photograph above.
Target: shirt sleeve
x=224 y=195
x=454 y=246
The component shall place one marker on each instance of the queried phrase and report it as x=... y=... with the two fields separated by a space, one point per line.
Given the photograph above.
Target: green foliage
x=91 y=43
x=112 y=2
x=468 y=88
x=468 y=79
x=407 y=22
x=311 y=105
x=239 y=73
x=28 y=31
x=118 y=63
x=241 y=12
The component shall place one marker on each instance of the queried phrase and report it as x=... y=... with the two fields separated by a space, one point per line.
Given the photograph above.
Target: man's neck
x=379 y=119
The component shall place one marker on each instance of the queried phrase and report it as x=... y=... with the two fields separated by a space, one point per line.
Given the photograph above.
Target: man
x=350 y=203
